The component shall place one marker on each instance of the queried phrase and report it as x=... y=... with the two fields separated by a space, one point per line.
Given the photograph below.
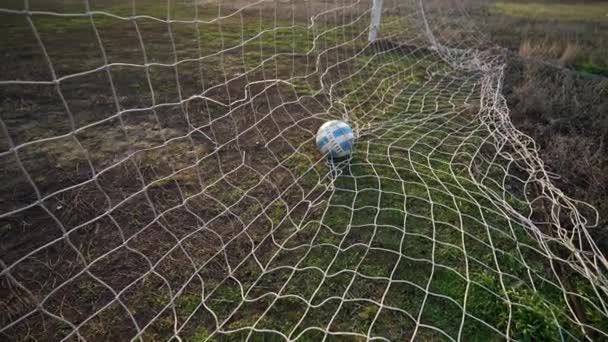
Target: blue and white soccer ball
x=335 y=139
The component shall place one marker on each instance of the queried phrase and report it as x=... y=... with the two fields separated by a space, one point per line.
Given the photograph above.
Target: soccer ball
x=335 y=139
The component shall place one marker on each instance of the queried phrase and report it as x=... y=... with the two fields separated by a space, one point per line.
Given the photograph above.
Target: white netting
x=160 y=179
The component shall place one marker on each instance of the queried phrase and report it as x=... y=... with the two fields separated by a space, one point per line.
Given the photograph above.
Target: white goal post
x=374 y=29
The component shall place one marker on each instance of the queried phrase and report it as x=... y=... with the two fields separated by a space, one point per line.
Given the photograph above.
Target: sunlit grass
x=552 y=11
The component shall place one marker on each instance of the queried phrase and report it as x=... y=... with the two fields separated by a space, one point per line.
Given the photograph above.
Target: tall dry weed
x=563 y=53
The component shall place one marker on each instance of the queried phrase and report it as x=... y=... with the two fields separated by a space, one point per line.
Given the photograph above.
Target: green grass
x=591 y=68
x=549 y=11
x=391 y=194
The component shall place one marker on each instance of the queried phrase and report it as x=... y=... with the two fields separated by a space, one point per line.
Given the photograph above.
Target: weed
x=592 y=68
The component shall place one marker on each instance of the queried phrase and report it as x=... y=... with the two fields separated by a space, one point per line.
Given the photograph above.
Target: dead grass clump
x=562 y=53
x=569 y=54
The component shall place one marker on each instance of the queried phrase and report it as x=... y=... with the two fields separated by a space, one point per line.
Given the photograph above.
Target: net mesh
x=160 y=179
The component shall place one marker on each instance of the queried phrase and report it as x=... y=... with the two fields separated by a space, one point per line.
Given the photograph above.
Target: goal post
x=374 y=28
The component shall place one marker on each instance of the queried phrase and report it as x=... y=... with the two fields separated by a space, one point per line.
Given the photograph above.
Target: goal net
x=160 y=179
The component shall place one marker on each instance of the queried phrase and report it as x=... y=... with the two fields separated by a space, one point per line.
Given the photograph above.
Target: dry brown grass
x=565 y=114
x=562 y=53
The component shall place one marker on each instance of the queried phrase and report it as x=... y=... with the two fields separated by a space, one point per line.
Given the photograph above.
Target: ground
x=555 y=90
x=173 y=195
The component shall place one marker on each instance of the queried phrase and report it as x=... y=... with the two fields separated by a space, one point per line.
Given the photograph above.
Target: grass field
x=178 y=192
x=592 y=11
x=571 y=34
